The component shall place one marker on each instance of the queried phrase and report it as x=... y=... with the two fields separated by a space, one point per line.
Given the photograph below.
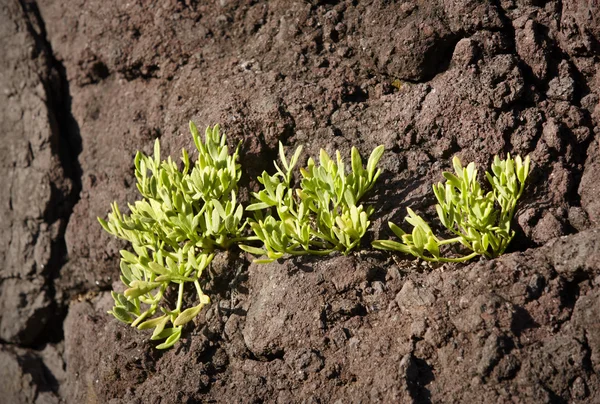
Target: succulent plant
x=321 y=215
x=183 y=216
x=479 y=220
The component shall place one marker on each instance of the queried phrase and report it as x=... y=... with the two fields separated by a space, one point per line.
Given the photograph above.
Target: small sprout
x=469 y=213
x=184 y=215
x=319 y=217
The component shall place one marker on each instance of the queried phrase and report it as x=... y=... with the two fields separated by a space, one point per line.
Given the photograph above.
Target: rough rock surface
x=37 y=196
x=520 y=327
x=83 y=85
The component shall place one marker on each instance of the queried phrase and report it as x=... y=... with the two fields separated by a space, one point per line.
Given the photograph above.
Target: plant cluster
x=183 y=216
x=479 y=220
x=187 y=211
x=320 y=216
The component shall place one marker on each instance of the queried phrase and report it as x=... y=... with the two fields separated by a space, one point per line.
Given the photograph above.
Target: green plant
x=319 y=217
x=467 y=212
x=183 y=217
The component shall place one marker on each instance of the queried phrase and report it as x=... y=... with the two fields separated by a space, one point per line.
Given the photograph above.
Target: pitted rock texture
x=83 y=85
x=368 y=329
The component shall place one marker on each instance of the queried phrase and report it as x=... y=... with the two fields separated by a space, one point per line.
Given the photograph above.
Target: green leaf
x=295 y=157
x=159 y=329
x=115 y=296
x=485 y=241
x=419 y=237
x=433 y=247
x=129 y=257
x=252 y=250
x=354 y=215
x=417 y=221
x=170 y=341
x=164 y=333
x=257 y=206
x=349 y=198
x=152 y=323
x=219 y=208
x=139 y=288
x=458 y=168
x=187 y=315
x=216 y=221
x=104 y=225
x=439 y=191
x=157 y=269
x=156 y=153
x=126 y=271
x=452 y=179
x=397 y=230
x=194 y=131
x=373 y=160
x=121 y=314
x=356 y=161
x=391 y=245
x=324 y=159
x=442 y=216
x=471 y=172
x=282 y=157
x=264 y=261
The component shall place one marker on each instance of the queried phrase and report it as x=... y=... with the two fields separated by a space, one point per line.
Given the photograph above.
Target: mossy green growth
x=479 y=220
x=320 y=216
x=183 y=216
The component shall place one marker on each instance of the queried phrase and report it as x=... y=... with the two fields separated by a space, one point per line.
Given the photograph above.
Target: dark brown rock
x=36 y=193
x=29 y=376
